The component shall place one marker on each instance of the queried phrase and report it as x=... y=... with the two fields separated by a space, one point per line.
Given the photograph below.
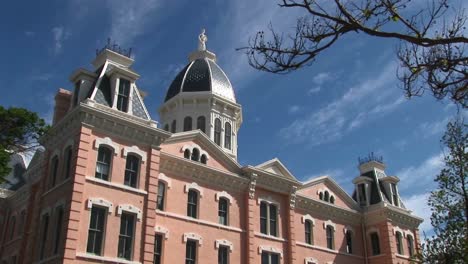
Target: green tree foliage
x=432 y=50
x=449 y=202
x=20 y=130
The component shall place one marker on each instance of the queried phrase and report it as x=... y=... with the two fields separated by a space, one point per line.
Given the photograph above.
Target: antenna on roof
x=370 y=157
x=115 y=48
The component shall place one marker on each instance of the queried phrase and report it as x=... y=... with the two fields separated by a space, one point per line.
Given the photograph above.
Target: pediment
x=275 y=166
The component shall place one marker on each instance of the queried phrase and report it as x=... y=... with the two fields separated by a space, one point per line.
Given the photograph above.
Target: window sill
x=56 y=186
x=319 y=248
x=13 y=240
x=270 y=237
x=116 y=185
x=198 y=221
x=376 y=256
x=403 y=256
x=105 y=259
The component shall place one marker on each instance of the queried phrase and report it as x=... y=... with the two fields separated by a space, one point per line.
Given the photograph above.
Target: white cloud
x=428 y=129
x=42 y=77
x=333 y=173
x=422 y=175
x=29 y=33
x=314 y=90
x=60 y=35
x=321 y=78
x=418 y=204
x=294 y=109
x=361 y=103
x=130 y=18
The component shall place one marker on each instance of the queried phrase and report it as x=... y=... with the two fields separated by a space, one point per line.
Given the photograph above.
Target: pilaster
x=291 y=226
x=251 y=204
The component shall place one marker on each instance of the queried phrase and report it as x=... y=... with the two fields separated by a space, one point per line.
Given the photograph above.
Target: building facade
x=113 y=186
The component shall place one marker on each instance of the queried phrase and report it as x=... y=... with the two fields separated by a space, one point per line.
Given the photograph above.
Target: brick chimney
x=62 y=104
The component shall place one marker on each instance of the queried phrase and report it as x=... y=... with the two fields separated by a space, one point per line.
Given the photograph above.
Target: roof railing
x=115 y=48
x=369 y=158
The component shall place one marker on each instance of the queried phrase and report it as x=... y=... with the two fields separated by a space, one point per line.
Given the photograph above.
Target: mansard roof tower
x=202 y=97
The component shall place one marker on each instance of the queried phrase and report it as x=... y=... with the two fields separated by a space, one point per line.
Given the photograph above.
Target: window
x=195 y=154
x=227 y=135
x=96 y=230
x=187 y=154
x=349 y=242
x=54 y=170
x=161 y=195
x=394 y=194
x=327 y=196
x=321 y=196
x=127 y=226
x=203 y=159
x=131 y=170
x=58 y=229
x=12 y=227
x=330 y=237
x=123 y=94
x=223 y=211
x=268 y=219
x=362 y=194
x=187 y=123
x=166 y=127
x=223 y=255
x=409 y=241
x=68 y=161
x=201 y=124
x=18 y=171
x=332 y=199
x=103 y=163
x=45 y=229
x=375 y=243
x=270 y=258
x=76 y=94
x=174 y=126
x=308 y=232
x=22 y=221
x=192 y=204
x=217 y=132
x=191 y=252
x=399 y=245
x=157 y=248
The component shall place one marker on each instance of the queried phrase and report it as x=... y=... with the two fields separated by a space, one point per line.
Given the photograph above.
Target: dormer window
x=76 y=93
x=187 y=123
x=227 y=135
x=123 y=95
x=217 y=132
x=362 y=194
x=394 y=194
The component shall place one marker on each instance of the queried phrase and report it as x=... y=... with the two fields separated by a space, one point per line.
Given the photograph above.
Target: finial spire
x=202 y=39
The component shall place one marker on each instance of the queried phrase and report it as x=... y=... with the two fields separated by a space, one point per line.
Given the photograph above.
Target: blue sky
x=317 y=120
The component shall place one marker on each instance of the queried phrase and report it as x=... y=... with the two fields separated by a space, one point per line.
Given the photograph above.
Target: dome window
x=174 y=126
x=187 y=123
x=201 y=123
x=217 y=132
x=123 y=95
x=227 y=135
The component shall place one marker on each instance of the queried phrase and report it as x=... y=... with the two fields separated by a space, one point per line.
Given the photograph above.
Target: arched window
x=330 y=237
x=54 y=170
x=192 y=204
x=12 y=227
x=223 y=211
x=308 y=232
x=332 y=199
x=131 y=170
x=321 y=196
x=187 y=123
x=187 y=154
x=58 y=229
x=166 y=127
x=68 y=161
x=203 y=159
x=349 y=242
x=174 y=126
x=161 y=195
x=217 y=132
x=103 y=163
x=201 y=123
x=227 y=135
x=327 y=196
x=399 y=244
x=195 y=154
x=375 y=243
x=409 y=241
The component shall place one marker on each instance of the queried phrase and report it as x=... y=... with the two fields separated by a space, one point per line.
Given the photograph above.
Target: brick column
x=291 y=235
x=250 y=221
x=149 y=219
x=388 y=246
x=75 y=208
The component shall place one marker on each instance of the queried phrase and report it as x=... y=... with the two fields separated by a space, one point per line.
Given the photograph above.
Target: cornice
x=398 y=216
x=271 y=181
x=195 y=171
x=327 y=210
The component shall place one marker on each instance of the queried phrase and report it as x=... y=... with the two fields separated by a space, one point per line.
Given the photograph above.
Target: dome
x=202 y=74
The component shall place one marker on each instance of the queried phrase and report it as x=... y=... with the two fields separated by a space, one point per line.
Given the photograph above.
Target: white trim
x=408 y=233
x=193 y=236
x=101 y=202
x=194 y=186
x=164 y=178
x=162 y=230
x=348 y=228
x=105 y=259
x=129 y=208
x=223 y=194
x=224 y=242
x=116 y=185
x=329 y=223
x=198 y=221
x=397 y=229
x=193 y=146
x=258 y=234
x=372 y=230
x=309 y=260
x=270 y=249
x=269 y=200
x=108 y=142
x=135 y=150
x=308 y=217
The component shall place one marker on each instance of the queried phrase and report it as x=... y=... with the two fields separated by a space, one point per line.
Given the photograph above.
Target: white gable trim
x=129 y=208
x=195 y=187
x=348 y=228
x=135 y=150
x=308 y=217
x=193 y=146
x=162 y=230
x=164 y=178
x=193 y=236
x=309 y=260
x=101 y=202
x=270 y=249
x=224 y=242
x=373 y=230
x=223 y=194
x=108 y=142
x=329 y=223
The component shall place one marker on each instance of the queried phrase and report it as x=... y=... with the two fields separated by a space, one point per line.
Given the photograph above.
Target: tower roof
x=202 y=74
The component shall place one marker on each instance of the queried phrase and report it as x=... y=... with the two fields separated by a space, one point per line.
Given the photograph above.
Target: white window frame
x=130 y=209
x=192 y=236
x=162 y=230
x=224 y=242
x=108 y=142
x=135 y=150
x=165 y=179
x=102 y=203
x=194 y=186
x=270 y=201
x=271 y=249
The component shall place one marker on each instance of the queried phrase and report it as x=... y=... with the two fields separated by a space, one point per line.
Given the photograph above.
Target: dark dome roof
x=202 y=75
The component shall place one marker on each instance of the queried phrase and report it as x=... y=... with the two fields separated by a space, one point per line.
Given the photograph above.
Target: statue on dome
x=202 y=39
